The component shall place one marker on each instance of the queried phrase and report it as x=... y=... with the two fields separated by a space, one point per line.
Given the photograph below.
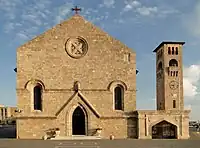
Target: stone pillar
x=141 y=128
x=181 y=125
x=147 y=126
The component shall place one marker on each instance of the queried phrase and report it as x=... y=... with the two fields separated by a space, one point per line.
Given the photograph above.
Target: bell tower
x=169 y=76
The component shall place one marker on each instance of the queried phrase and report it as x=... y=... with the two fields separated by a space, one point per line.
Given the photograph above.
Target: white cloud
x=136 y=6
x=26 y=16
x=190 y=80
x=22 y=36
x=192 y=21
x=146 y=10
x=131 y=4
x=108 y=3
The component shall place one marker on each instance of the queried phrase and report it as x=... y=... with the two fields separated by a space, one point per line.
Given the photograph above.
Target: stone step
x=75 y=137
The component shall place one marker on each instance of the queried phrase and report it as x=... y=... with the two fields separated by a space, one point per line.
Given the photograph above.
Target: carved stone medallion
x=173 y=85
x=76 y=47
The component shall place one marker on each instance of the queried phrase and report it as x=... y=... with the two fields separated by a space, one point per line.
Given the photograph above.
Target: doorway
x=78 y=122
x=164 y=130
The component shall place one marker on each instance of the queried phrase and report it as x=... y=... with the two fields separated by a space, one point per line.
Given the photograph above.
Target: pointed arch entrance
x=78 y=122
x=164 y=130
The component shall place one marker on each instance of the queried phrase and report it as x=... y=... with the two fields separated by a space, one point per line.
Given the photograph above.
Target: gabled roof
x=74 y=19
x=83 y=98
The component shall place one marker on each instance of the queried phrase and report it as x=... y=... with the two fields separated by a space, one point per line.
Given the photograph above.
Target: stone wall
x=45 y=61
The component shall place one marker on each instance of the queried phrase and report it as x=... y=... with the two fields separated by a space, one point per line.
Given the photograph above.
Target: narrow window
x=118 y=98
x=172 y=50
x=174 y=103
x=176 y=50
x=176 y=73
x=129 y=57
x=38 y=97
x=171 y=73
x=169 y=50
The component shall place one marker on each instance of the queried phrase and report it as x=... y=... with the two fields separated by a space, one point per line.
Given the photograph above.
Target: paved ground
x=100 y=144
x=194 y=142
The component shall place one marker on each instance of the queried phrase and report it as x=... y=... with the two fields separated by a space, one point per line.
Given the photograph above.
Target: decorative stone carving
x=76 y=47
x=98 y=131
x=77 y=86
x=174 y=96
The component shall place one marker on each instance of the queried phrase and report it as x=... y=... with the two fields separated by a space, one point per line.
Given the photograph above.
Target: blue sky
x=142 y=25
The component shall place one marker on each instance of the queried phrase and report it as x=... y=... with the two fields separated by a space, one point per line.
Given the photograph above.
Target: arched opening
x=78 y=122
x=164 y=130
x=118 y=94
x=169 y=50
x=38 y=97
x=160 y=67
x=173 y=62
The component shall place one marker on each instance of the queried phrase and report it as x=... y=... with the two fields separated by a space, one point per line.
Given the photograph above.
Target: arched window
x=173 y=62
x=176 y=50
x=169 y=50
x=118 y=94
x=37 y=97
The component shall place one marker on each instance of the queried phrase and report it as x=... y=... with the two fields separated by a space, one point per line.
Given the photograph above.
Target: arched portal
x=164 y=130
x=78 y=122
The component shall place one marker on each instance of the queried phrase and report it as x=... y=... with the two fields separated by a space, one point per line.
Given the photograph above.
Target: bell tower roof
x=167 y=42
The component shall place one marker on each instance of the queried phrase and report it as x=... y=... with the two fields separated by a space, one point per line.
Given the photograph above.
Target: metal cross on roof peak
x=76 y=9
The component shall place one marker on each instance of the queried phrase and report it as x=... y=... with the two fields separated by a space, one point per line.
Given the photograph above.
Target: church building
x=79 y=79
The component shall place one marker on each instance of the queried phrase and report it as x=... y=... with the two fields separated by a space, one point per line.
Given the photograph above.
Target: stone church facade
x=77 y=78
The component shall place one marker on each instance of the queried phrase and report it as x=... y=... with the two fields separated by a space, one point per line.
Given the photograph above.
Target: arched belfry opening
x=173 y=62
x=78 y=122
x=164 y=130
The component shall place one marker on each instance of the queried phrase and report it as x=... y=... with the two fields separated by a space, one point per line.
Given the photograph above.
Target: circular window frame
x=83 y=41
